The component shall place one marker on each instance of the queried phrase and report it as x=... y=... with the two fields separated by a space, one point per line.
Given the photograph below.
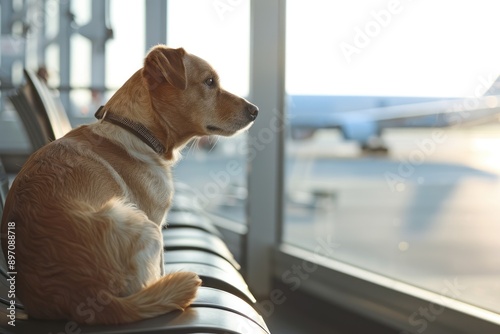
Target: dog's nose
x=252 y=110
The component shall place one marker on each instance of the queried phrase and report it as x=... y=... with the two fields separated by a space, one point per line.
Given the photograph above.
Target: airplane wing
x=363 y=118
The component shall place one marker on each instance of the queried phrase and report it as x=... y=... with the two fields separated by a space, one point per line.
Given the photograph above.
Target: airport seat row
x=224 y=303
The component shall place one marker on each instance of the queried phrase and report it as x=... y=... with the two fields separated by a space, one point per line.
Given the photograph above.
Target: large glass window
x=392 y=150
x=219 y=33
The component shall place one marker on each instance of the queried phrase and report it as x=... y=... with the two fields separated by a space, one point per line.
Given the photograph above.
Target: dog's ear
x=165 y=64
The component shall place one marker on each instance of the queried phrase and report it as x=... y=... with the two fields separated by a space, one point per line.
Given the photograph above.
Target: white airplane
x=363 y=118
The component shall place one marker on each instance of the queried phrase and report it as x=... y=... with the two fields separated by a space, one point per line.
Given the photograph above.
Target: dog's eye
x=210 y=82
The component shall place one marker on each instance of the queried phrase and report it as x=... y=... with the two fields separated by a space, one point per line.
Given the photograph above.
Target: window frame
x=371 y=295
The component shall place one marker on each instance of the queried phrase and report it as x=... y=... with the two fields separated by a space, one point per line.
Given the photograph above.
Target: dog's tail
x=175 y=291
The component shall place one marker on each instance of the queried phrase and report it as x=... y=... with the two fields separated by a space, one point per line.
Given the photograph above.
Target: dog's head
x=187 y=97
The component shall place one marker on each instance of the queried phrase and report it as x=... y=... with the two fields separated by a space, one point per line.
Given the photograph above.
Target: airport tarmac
x=426 y=213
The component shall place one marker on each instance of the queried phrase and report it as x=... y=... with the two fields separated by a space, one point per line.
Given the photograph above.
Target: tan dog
x=88 y=208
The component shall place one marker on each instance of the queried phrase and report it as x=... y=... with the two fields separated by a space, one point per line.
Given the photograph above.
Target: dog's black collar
x=137 y=129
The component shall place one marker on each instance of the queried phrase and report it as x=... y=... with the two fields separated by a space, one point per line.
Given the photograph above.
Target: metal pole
x=156 y=23
x=265 y=179
x=64 y=41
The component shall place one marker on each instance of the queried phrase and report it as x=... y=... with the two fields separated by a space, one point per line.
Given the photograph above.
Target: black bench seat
x=177 y=218
x=191 y=238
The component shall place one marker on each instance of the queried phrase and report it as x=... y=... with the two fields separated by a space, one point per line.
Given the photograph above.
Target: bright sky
x=342 y=47
x=413 y=48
